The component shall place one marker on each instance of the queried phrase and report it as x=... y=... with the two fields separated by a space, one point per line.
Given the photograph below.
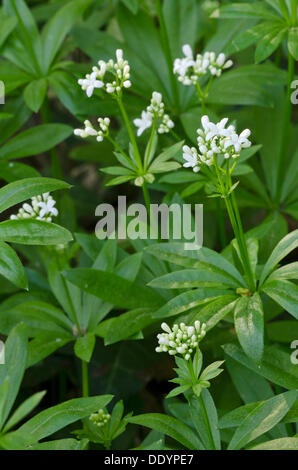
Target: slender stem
x=130 y=133
x=285 y=129
x=201 y=97
x=236 y=225
x=46 y=117
x=146 y=197
x=221 y=224
x=167 y=51
x=176 y=136
x=85 y=379
x=148 y=150
x=207 y=422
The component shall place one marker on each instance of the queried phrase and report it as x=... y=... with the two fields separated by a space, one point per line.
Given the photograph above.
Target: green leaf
x=84 y=347
x=11 y=267
x=285 y=293
x=58 y=27
x=187 y=301
x=204 y=417
x=282 y=331
x=21 y=190
x=262 y=418
x=14 y=367
x=293 y=42
x=270 y=41
x=35 y=140
x=282 y=249
x=124 y=326
x=113 y=288
x=204 y=258
x=46 y=344
x=12 y=171
x=57 y=417
x=188 y=278
x=244 y=10
x=285 y=443
x=33 y=232
x=23 y=410
x=246 y=85
x=169 y=426
x=8 y=24
x=61 y=444
x=249 y=324
x=34 y=94
x=276 y=365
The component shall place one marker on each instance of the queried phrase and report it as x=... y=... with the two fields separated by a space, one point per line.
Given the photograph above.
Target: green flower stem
x=201 y=97
x=46 y=117
x=285 y=129
x=176 y=136
x=85 y=379
x=146 y=197
x=150 y=144
x=130 y=133
x=232 y=209
x=221 y=224
x=207 y=422
x=167 y=50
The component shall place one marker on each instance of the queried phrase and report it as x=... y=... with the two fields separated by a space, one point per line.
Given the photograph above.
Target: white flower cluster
x=89 y=130
x=119 y=71
x=100 y=419
x=41 y=208
x=214 y=140
x=181 y=339
x=154 y=111
x=189 y=69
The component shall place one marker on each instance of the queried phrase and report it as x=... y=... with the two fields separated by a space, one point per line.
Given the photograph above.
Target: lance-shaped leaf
x=33 y=232
x=249 y=324
x=35 y=140
x=204 y=259
x=262 y=418
x=284 y=293
x=19 y=191
x=57 y=417
x=282 y=249
x=11 y=267
x=171 y=427
x=113 y=288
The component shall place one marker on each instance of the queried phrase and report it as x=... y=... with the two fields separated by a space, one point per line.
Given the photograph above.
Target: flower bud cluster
x=181 y=339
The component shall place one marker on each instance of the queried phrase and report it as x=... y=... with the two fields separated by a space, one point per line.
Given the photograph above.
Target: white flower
x=143 y=123
x=181 y=339
x=215 y=139
x=189 y=69
x=89 y=83
x=190 y=154
x=42 y=208
x=119 y=71
x=181 y=66
x=89 y=130
x=155 y=111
